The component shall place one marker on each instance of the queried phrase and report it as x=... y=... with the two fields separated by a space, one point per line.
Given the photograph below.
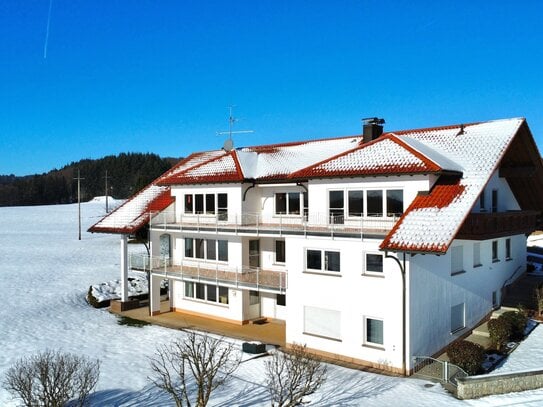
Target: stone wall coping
x=500 y=376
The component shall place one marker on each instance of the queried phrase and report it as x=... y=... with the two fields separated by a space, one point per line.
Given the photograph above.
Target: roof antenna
x=229 y=143
x=461 y=130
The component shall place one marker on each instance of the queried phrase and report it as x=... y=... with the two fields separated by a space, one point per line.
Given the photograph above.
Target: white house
x=372 y=248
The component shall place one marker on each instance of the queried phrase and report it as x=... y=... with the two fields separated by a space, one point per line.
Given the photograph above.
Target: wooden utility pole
x=79 y=199
x=107 y=208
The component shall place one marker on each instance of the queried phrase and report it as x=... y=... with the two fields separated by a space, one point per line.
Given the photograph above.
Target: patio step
x=482 y=330
x=259 y=321
x=501 y=310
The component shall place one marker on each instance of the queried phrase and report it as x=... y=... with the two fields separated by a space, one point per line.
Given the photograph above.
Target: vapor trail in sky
x=47 y=30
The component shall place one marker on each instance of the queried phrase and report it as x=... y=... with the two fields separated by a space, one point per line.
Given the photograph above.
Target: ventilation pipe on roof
x=373 y=128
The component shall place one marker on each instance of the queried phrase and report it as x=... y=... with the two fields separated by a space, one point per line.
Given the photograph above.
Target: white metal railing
x=257 y=222
x=243 y=276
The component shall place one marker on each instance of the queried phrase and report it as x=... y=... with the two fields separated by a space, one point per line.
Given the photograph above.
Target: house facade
x=372 y=248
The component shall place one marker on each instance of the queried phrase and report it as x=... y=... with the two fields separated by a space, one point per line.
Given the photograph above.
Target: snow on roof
x=431 y=223
x=384 y=155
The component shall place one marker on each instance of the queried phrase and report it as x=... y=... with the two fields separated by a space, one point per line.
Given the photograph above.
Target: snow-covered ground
x=46 y=272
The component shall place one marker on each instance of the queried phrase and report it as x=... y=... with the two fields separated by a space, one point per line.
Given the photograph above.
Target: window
x=457 y=317
x=508 y=249
x=374 y=263
x=279 y=251
x=336 y=205
x=222 y=206
x=375 y=202
x=394 y=202
x=306 y=205
x=210 y=204
x=495 y=299
x=211 y=249
x=281 y=299
x=206 y=249
x=457 y=260
x=482 y=201
x=188 y=203
x=374 y=332
x=189 y=247
x=254 y=297
x=287 y=203
x=206 y=292
x=322 y=322
x=495 y=257
x=494 y=200
x=323 y=260
x=356 y=203
x=476 y=254
x=199 y=203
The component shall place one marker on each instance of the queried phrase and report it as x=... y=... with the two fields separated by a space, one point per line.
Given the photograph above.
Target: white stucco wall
x=433 y=290
x=351 y=293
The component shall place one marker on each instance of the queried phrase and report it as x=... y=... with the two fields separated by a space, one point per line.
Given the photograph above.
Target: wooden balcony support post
x=154 y=294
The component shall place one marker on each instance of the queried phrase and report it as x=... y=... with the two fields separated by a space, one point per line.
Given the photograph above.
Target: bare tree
x=292 y=375
x=199 y=357
x=52 y=379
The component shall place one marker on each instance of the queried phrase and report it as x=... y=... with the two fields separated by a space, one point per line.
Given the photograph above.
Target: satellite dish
x=228 y=145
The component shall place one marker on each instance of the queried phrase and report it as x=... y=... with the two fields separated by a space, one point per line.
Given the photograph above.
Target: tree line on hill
x=127 y=173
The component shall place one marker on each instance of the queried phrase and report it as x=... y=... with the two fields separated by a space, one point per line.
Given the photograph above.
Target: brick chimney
x=373 y=128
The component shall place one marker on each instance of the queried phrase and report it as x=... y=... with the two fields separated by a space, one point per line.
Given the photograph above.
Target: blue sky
x=157 y=76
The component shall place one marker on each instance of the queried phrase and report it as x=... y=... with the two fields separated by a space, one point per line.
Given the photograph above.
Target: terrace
x=253 y=278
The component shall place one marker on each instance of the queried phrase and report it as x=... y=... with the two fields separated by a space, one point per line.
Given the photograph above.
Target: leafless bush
x=292 y=375
x=208 y=361
x=52 y=379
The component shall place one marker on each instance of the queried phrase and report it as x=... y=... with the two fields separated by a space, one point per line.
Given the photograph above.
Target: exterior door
x=254 y=253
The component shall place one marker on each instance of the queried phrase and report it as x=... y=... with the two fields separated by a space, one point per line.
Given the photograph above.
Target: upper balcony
x=253 y=278
x=482 y=226
x=313 y=224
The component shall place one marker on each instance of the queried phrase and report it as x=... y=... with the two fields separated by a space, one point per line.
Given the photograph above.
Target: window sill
x=456 y=273
x=375 y=274
x=322 y=337
x=495 y=260
x=199 y=301
x=458 y=330
x=509 y=259
x=373 y=346
x=323 y=273
x=287 y=215
x=477 y=266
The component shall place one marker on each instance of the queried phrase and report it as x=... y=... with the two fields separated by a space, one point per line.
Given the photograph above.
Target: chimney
x=373 y=128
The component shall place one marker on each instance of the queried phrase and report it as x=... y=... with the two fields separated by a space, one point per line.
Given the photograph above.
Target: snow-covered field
x=46 y=272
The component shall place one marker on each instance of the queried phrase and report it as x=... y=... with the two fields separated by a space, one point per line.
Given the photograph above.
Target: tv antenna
x=229 y=143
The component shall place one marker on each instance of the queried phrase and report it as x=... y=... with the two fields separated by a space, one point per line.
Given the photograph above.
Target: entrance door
x=254 y=253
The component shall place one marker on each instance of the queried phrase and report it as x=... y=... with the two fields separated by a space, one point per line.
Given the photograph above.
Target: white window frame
x=495 y=253
x=367 y=342
x=323 y=268
x=457 y=260
x=206 y=286
x=287 y=204
x=365 y=262
x=477 y=254
x=364 y=214
x=205 y=211
x=217 y=260
x=455 y=329
x=508 y=249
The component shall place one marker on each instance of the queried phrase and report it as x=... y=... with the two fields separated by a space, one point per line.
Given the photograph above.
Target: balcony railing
x=193 y=270
x=492 y=225
x=314 y=223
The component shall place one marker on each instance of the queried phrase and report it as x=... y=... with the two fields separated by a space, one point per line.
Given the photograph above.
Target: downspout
x=402 y=270
x=247 y=190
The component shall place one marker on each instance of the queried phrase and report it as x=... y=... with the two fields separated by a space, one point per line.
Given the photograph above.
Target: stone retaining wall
x=478 y=386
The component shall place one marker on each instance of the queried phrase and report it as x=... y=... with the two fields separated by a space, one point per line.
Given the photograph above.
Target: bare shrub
x=52 y=378
x=292 y=375
x=206 y=360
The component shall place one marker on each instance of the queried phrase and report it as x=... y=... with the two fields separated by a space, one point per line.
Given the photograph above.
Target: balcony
x=315 y=224
x=214 y=273
x=482 y=226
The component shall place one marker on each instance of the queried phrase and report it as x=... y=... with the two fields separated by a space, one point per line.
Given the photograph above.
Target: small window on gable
x=482 y=201
x=495 y=255
x=508 y=249
x=457 y=260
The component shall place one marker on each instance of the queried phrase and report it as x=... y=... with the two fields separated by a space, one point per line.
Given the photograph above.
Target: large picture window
x=209 y=204
x=206 y=292
x=323 y=260
x=206 y=249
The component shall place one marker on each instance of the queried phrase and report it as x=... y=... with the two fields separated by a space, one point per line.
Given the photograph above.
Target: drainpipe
x=247 y=190
x=402 y=270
